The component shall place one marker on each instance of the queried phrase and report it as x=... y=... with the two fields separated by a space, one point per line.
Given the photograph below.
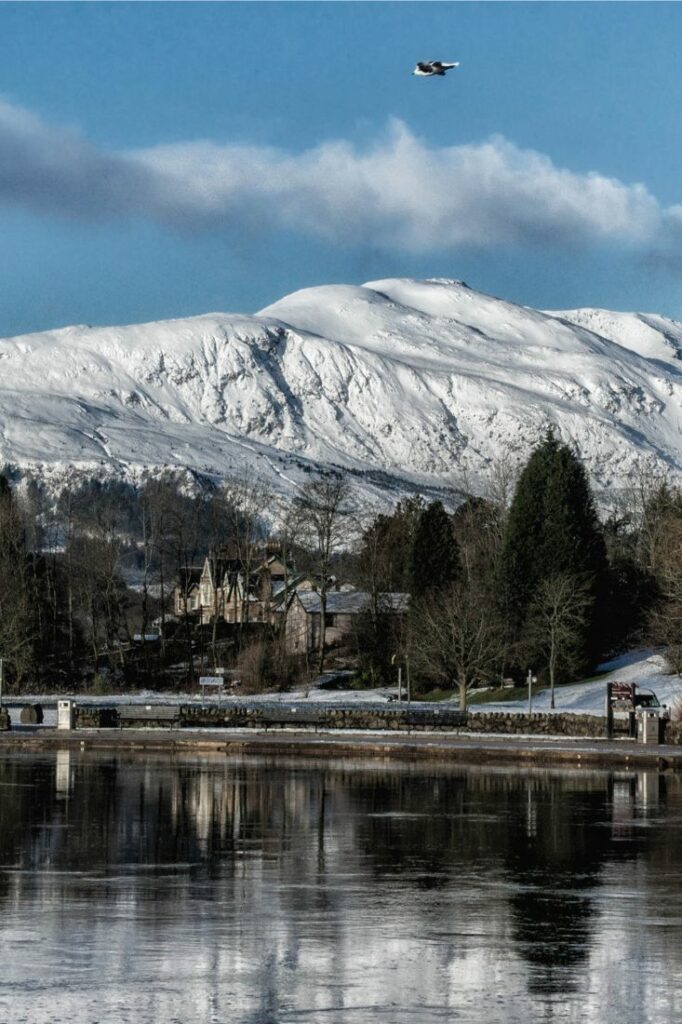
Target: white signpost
x=210 y=682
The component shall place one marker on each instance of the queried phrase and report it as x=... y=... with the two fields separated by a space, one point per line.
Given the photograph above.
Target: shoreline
x=509 y=750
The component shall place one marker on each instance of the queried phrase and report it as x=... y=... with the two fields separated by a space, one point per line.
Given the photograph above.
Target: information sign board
x=622 y=693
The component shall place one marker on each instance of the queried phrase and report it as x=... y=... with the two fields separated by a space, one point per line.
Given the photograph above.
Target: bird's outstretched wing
x=434 y=67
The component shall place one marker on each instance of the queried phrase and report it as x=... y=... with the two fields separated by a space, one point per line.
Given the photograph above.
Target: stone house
x=223 y=588
x=303 y=619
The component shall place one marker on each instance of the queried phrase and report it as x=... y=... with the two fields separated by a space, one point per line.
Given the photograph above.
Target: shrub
x=263 y=667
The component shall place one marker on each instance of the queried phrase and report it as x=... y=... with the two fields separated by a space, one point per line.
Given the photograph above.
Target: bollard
x=648 y=727
x=65 y=714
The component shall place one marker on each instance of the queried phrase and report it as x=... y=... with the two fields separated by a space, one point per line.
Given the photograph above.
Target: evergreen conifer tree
x=435 y=553
x=553 y=530
x=386 y=553
x=16 y=633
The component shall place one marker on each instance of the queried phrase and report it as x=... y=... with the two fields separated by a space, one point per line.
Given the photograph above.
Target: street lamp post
x=531 y=680
x=396 y=660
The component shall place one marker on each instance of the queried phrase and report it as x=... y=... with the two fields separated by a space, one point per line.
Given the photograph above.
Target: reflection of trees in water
x=549 y=833
x=559 y=843
x=434 y=827
x=283 y=841
x=554 y=862
x=425 y=827
x=25 y=798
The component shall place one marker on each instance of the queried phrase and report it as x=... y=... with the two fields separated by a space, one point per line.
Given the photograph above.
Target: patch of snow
x=646 y=668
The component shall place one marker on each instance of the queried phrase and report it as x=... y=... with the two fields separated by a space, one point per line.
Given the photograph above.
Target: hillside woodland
x=524 y=575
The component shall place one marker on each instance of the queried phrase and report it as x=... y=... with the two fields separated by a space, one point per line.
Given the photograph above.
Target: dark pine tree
x=386 y=553
x=16 y=627
x=553 y=528
x=435 y=553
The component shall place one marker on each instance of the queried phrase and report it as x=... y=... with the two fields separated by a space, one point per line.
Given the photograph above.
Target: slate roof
x=352 y=602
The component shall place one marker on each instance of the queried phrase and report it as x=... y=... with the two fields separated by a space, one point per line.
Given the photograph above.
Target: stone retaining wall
x=400 y=719
x=320 y=717
x=590 y=726
x=88 y=717
x=392 y=718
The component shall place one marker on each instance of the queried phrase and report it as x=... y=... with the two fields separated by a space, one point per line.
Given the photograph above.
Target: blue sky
x=162 y=160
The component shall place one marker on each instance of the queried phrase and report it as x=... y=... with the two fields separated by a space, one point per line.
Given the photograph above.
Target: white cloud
x=55 y=170
x=401 y=192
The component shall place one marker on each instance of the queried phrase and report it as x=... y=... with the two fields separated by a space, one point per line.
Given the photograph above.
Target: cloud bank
x=399 y=193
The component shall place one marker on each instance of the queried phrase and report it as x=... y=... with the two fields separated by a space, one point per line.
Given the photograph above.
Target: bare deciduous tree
x=324 y=508
x=503 y=476
x=455 y=637
x=557 y=622
x=16 y=627
x=665 y=556
x=246 y=501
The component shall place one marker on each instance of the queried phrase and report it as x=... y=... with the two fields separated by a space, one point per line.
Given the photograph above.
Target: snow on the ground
x=313 y=693
x=646 y=668
x=406 y=384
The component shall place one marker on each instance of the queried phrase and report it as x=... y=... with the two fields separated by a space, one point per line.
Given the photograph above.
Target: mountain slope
x=409 y=384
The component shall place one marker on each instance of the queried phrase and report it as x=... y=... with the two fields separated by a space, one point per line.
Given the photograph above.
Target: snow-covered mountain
x=407 y=384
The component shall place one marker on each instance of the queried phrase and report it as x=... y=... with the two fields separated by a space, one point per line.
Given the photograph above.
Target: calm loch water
x=152 y=889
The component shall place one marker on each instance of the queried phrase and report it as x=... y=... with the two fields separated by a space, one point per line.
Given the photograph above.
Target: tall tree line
x=83 y=574
x=529 y=578
x=523 y=577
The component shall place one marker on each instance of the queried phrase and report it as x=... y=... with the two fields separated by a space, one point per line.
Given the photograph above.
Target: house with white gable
x=226 y=589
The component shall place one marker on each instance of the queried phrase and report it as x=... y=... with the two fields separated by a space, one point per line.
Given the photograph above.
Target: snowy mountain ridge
x=406 y=384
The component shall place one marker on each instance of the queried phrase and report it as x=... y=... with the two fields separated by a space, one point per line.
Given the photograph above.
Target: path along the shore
x=504 y=750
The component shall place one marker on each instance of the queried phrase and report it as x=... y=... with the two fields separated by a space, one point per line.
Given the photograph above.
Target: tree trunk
x=323 y=629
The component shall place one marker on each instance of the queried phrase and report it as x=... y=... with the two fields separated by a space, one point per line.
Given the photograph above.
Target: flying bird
x=429 y=68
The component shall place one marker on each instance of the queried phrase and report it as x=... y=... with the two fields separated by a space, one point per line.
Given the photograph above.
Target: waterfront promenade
x=444 y=747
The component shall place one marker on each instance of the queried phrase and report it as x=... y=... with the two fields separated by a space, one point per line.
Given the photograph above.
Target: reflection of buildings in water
x=63 y=778
x=649 y=787
x=207 y=800
x=635 y=796
x=531 y=810
x=268 y=812
x=623 y=791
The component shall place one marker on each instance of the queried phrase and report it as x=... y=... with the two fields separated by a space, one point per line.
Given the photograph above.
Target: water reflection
x=183 y=889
